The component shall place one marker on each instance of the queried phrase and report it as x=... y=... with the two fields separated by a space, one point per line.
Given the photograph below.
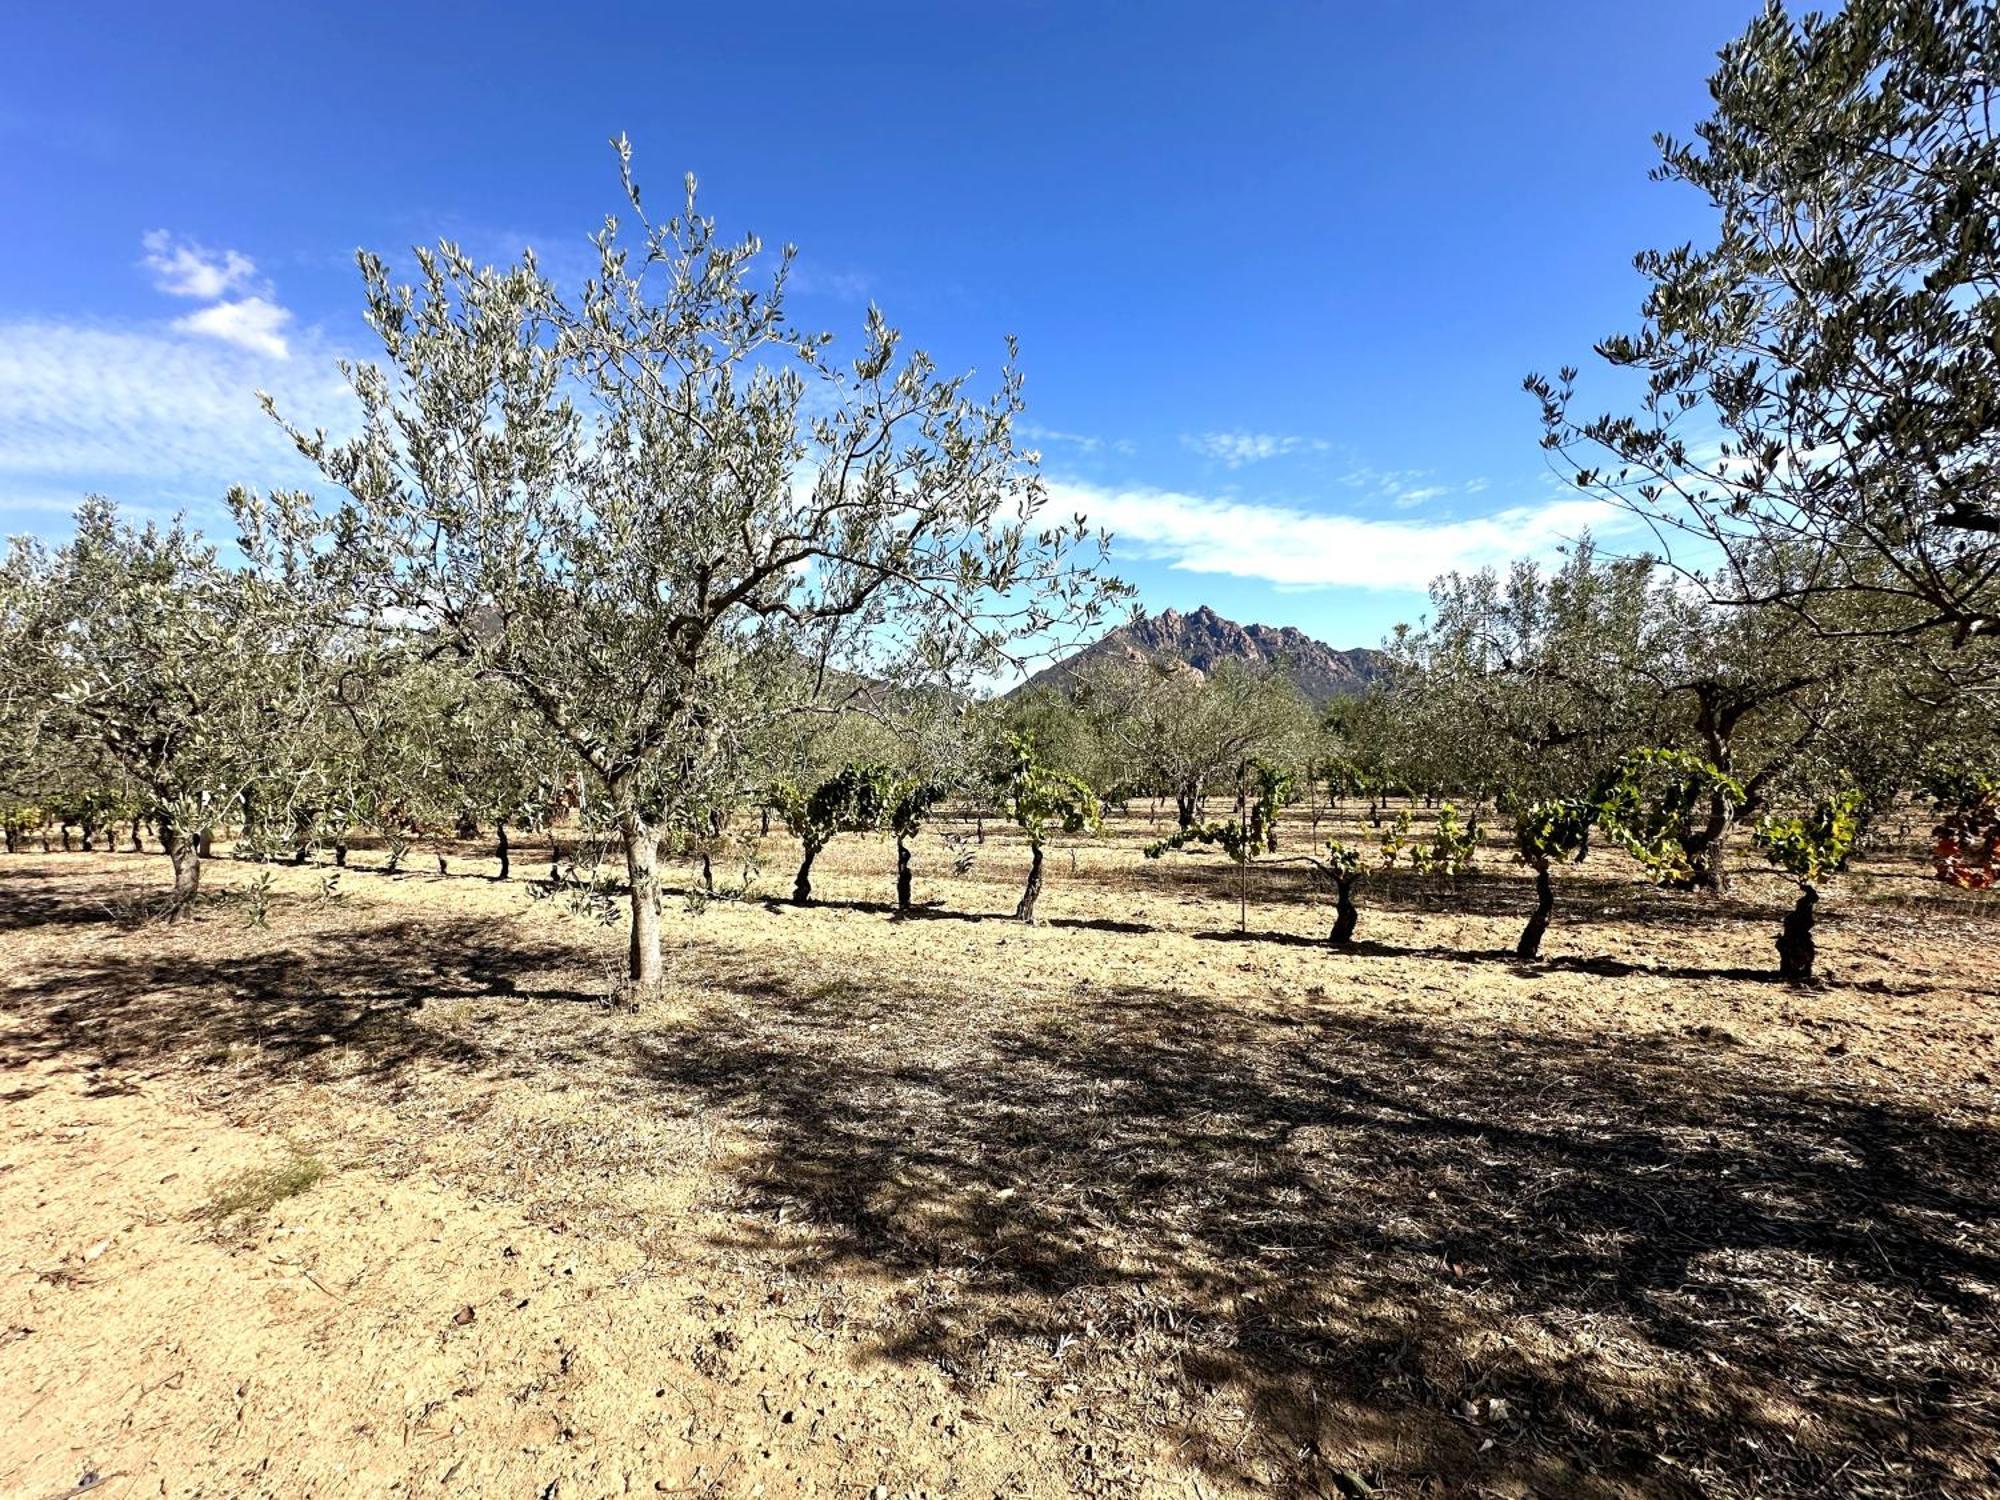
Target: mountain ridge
x=1202 y=639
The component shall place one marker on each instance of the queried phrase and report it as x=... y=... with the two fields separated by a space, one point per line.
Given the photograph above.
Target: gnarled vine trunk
x=1796 y=949
x=802 y=886
x=1530 y=945
x=1026 y=910
x=1344 y=913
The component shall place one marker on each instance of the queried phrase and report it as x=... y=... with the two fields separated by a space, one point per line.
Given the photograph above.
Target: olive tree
x=1545 y=681
x=1820 y=425
x=1538 y=680
x=1180 y=731
x=614 y=502
x=199 y=681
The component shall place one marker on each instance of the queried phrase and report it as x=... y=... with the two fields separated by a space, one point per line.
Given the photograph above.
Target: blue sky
x=1277 y=268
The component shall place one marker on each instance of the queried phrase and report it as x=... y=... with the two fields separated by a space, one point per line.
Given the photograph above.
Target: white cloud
x=251 y=323
x=147 y=417
x=1236 y=449
x=1419 y=495
x=249 y=319
x=181 y=268
x=1303 y=549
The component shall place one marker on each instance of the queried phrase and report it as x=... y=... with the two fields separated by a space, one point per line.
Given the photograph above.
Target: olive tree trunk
x=642 y=860
x=184 y=852
x=902 y=875
x=506 y=849
x=1708 y=851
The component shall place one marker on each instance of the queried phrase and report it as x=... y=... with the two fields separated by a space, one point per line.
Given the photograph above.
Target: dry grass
x=1194 y=1204
x=257 y=1191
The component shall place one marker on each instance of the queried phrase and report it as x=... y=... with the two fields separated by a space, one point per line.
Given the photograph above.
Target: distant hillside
x=1203 y=640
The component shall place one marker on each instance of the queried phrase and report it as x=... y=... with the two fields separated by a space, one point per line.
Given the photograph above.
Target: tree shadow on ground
x=339 y=1001
x=933 y=911
x=26 y=909
x=1483 y=1257
x=1501 y=891
x=1602 y=965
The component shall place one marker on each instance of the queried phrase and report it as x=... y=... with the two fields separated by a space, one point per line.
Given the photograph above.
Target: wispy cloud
x=1235 y=449
x=146 y=416
x=811 y=279
x=1301 y=549
x=181 y=268
x=1082 y=442
x=1420 y=494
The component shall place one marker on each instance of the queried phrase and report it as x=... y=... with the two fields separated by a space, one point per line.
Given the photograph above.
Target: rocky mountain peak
x=1202 y=640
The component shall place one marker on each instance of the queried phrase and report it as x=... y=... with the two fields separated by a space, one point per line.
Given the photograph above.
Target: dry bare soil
x=380 y=1197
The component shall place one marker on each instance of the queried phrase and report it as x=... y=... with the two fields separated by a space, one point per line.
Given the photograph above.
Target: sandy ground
x=1129 y=1203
